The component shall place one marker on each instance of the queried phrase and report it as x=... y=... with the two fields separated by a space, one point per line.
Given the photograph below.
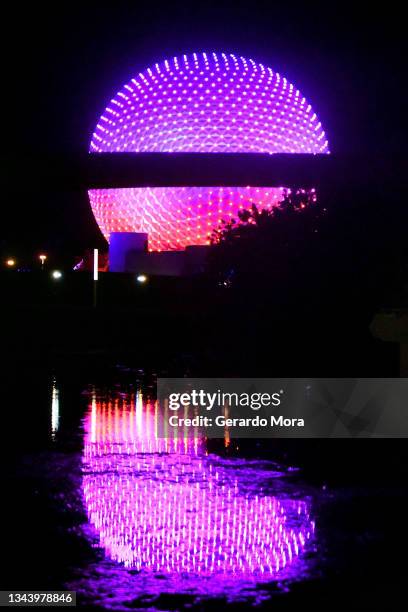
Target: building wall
x=120 y=244
x=168 y=263
x=128 y=253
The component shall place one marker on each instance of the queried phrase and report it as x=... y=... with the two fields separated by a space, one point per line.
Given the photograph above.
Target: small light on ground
x=141 y=278
x=56 y=274
x=10 y=263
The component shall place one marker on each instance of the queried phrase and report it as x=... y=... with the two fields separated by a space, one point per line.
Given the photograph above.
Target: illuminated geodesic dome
x=204 y=102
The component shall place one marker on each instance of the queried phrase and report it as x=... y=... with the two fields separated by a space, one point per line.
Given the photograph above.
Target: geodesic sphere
x=198 y=103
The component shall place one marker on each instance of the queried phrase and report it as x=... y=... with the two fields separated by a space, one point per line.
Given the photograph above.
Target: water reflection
x=55 y=409
x=164 y=506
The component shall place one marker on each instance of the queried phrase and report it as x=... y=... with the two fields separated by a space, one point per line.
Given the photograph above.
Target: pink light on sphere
x=199 y=103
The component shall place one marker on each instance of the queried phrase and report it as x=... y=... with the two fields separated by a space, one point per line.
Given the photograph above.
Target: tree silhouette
x=269 y=244
x=311 y=272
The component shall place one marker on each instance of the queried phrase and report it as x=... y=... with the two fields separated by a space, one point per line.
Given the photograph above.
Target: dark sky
x=62 y=63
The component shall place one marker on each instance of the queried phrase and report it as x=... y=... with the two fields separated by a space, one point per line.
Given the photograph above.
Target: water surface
x=171 y=519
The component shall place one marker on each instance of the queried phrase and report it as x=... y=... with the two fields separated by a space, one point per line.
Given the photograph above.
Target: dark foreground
x=356 y=489
x=65 y=358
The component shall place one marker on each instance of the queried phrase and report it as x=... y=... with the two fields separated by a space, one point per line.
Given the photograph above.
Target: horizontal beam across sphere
x=206 y=169
x=116 y=170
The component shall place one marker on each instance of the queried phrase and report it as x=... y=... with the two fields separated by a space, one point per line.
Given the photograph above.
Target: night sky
x=62 y=64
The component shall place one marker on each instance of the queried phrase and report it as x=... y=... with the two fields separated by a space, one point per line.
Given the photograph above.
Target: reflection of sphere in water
x=175 y=512
x=206 y=103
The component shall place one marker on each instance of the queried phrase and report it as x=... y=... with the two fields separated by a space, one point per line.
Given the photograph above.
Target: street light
x=56 y=274
x=10 y=263
x=42 y=258
x=141 y=278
